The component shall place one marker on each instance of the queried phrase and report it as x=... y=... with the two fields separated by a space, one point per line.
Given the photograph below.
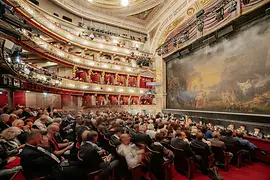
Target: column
x=97 y=56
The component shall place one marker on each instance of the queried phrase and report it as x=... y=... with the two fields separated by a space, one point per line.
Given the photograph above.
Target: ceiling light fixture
x=90 y=0
x=124 y=2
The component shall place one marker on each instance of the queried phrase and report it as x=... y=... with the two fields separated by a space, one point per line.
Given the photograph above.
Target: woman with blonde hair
x=10 y=141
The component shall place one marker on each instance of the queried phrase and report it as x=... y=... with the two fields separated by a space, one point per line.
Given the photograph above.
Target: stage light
x=124 y=2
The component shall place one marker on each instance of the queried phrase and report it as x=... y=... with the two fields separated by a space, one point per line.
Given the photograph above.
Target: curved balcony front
x=31 y=13
x=55 y=54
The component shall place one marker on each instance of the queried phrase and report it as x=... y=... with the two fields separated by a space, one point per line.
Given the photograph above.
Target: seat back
x=233 y=148
x=198 y=150
x=182 y=162
x=156 y=164
x=218 y=153
x=94 y=175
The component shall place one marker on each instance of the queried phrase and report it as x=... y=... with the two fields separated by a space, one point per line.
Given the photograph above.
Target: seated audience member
x=36 y=161
x=160 y=126
x=180 y=143
x=41 y=123
x=51 y=144
x=199 y=142
x=9 y=139
x=115 y=138
x=141 y=137
x=4 y=122
x=12 y=117
x=230 y=127
x=130 y=151
x=90 y=160
x=18 y=123
x=228 y=139
x=94 y=142
x=244 y=142
x=157 y=146
x=151 y=131
x=208 y=133
x=257 y=133
x=28 y=125
x=242 y=129
x=9 y=164
x=215 y=141
x=27 y=113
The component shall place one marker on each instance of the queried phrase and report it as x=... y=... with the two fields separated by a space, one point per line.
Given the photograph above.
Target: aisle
x=256 y=171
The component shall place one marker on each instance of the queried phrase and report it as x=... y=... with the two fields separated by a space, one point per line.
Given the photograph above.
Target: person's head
x=239 y=134
x=118 y=131
x=27 y=110
x=84 y=135
x=229 y=133
x=136 y=127
x=4 y=118
x=12 y=117
x=151 y=127
x=34 y=138
x=18 y=123
x=180 y=134
x=53 y=129
x=142 y=129
x=92 y=136
x=79 y=120
x=243 y=127
x=125 y=139
x=160 y=126
x=216 y=135
x=10 y=133
x=43 y=118
x=159 y=137
x=29 y=123
x=257 y=129
x=200 y=136
x=230 y=127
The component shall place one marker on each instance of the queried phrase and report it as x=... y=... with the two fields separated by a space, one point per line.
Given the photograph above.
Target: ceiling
x=137 y=11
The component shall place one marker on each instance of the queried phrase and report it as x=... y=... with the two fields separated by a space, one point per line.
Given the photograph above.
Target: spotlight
x=124 y=2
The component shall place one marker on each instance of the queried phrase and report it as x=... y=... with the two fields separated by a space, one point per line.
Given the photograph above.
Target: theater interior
x=134 y=89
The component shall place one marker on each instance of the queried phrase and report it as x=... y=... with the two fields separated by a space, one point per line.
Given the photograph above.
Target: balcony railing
x=65 y=57
x=35 y=17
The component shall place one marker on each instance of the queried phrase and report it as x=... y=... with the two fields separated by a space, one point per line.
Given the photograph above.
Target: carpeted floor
x=256 y=171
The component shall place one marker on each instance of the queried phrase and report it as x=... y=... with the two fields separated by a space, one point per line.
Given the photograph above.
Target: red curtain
x=3 y=98
x=66 y=100
x=20 y=98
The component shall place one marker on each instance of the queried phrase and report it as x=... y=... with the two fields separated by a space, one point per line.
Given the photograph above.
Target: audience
x=41 y=142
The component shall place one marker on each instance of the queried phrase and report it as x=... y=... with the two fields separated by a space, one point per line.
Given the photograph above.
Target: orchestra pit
x=134 y=89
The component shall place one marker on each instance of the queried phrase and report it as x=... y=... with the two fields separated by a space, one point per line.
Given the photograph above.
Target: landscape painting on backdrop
x=233 y=75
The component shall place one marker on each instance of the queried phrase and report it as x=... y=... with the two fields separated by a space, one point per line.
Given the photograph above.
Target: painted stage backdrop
x=233 y=75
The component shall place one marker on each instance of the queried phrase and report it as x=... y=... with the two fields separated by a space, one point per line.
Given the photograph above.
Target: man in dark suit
x=229 y=139
x=37 y=162
x=90 y=160
x=179 y=143
x=199 y=143
x=141 y=137
x=115 y=138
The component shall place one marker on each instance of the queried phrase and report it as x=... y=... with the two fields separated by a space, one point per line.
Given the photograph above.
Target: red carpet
x=256 y=171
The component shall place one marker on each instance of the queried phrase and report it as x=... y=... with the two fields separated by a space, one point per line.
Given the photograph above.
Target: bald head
x=53 y=128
